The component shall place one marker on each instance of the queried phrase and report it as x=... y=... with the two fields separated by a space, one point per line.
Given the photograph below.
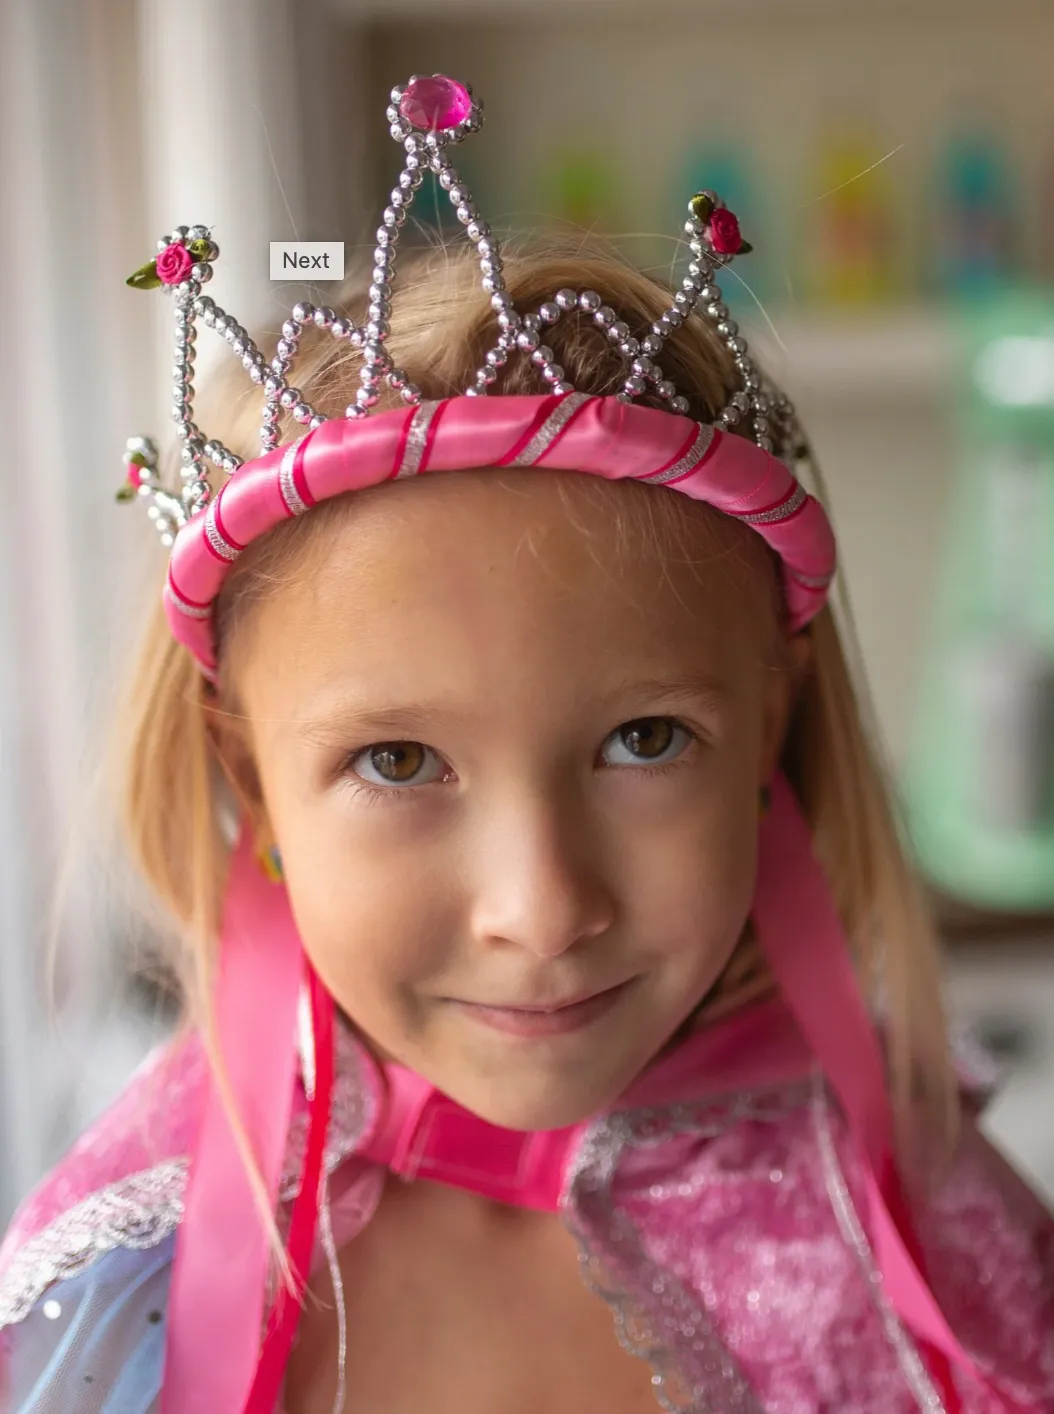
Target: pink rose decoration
x=724 y=233
x=173 y=264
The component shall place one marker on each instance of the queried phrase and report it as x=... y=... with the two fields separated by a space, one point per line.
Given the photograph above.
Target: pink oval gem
x=435 y=103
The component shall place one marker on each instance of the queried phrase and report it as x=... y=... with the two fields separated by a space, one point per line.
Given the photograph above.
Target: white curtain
x=119 y=121
x=66 y=383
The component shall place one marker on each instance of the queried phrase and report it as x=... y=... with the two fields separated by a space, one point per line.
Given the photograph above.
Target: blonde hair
x=442 y=325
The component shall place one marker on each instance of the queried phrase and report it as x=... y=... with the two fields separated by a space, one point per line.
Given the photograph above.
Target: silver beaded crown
x=428 y=117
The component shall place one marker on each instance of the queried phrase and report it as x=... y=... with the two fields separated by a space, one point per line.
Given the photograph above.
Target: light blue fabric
x=93 y=1344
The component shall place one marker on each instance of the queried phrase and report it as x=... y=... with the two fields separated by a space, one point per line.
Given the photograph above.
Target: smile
x=551 y=1020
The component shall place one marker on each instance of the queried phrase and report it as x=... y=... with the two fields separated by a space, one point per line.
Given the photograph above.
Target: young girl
x=539 y=897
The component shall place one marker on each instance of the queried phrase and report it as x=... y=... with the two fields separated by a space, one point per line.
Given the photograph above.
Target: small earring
x=764 y=801
x=270 y=861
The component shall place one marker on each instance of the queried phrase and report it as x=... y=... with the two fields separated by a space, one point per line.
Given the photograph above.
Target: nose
x=539 y=881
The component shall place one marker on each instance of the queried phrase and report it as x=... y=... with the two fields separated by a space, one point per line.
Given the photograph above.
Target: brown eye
x=645 y=741
x=648 y=737
x=397 y=763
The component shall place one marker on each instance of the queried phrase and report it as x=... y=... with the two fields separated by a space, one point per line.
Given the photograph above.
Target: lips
x=553 y=1019
x=545 y=1007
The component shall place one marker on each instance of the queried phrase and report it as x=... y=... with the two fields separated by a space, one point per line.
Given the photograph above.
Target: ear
x=230 y=735
x=782 y=686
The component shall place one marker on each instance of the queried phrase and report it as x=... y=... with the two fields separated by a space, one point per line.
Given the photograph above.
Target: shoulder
x=94 y=1340
x=147 y=1129
x=120 y=1185
x=990 y=1246
x=82 y=1299
x=987 y=1245
x=134 y=1213
x=84 y=1265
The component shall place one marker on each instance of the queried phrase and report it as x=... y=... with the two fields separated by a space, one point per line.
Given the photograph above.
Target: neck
x=750 y=989
x=746 y=979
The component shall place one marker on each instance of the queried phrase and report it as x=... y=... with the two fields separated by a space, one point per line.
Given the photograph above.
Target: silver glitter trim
x=691 y=458
x=138 y=1212
x=295 y=504
x=192 y=611
x=810 y=581
x=854 y=1236
x=329 y=1246
x=612 y=1257
x=416 y=439
x=550 y=429
x=778 y=513
x=216 y=539
x=351 y=1114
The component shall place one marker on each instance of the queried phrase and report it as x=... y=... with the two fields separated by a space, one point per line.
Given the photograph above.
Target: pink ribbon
x=285 y=1315
x=423 y=1134
x=555 y=432
x=215 y=1310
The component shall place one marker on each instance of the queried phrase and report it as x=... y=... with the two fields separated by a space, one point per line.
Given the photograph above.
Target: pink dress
x=721 y=1206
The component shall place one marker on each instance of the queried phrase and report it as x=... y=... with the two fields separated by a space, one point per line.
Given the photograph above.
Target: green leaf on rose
x=137 y=458
x=145 y=278
x=127 y=492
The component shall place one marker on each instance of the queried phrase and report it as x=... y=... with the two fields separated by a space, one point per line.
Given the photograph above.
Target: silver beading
x=428 y=117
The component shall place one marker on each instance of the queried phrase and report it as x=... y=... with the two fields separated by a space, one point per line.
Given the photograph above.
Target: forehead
x=521 y=573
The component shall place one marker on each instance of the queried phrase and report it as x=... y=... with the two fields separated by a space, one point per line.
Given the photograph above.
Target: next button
x=318 y=260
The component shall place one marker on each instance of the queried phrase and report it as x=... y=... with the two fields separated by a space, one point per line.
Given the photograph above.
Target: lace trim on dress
x=855 y=1238
x=704 y=1378
x=138 y=1211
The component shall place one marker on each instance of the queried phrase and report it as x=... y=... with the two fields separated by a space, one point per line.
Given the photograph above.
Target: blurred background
x=893 y=165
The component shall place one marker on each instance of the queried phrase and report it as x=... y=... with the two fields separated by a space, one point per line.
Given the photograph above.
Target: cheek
x=689 y=879
x=374 y=910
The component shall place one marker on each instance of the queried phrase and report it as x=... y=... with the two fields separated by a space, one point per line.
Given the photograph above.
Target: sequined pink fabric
x=721 y=1219
x=751 y=1263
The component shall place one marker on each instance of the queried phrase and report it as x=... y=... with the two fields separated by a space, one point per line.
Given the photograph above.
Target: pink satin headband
x=557 y=432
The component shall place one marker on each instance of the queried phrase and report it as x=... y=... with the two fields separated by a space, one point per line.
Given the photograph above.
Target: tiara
x=428 y=117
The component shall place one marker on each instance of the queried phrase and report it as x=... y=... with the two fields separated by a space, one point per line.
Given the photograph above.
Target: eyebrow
x=331 y=727
x=347 y=718
x=711 y=691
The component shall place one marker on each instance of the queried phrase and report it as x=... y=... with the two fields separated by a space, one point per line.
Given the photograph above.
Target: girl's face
x=512 y=765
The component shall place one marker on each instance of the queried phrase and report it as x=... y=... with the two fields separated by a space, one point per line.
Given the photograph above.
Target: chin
x=539 y=1102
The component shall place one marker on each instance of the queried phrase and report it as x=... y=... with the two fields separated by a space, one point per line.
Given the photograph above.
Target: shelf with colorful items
x=882 y=276
x=878 y=272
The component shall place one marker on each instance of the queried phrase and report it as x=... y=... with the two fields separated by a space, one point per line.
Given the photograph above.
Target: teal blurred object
x=980 y=779
x=977 y=232
x=432 y=217
x=432 y=209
